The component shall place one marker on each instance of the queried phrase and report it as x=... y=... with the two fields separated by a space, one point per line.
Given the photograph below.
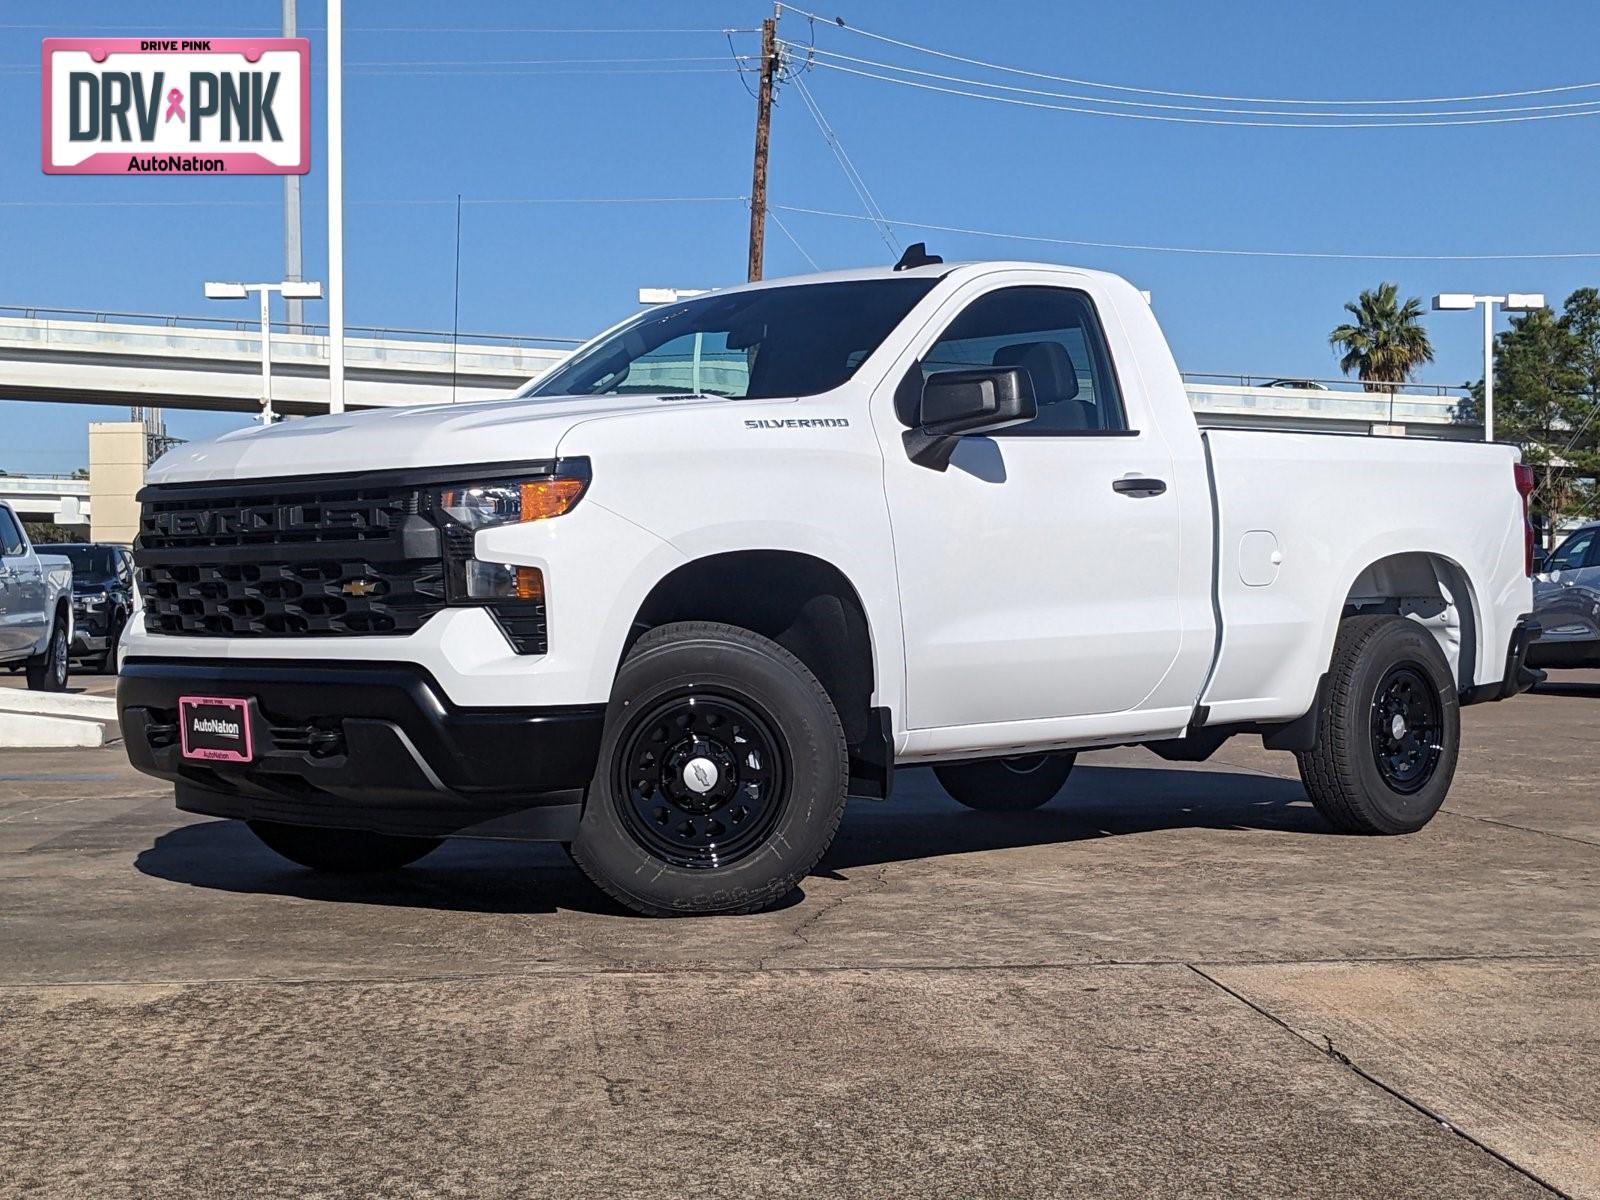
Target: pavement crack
x=1331 y=1052
x=1565 y=837
x=615 y=1089
x=800 y=931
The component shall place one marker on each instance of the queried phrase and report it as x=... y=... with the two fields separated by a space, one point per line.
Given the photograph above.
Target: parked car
x=103 y=599
x=1566 y=600
x=948 y=515
x=35 y=607
x=1302 y=385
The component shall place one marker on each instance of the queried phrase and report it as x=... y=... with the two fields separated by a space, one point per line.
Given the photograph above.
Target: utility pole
x=758 y=179
x=291 y=206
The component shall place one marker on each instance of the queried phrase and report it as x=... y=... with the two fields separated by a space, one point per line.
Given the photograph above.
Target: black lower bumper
x=365 y=746
x=1519 y=676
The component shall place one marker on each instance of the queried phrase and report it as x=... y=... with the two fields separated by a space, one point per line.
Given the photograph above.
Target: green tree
x=1386 y=342
x=1547 y=400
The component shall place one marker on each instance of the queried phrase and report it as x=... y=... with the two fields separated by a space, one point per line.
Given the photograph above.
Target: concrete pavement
x=1173 y=981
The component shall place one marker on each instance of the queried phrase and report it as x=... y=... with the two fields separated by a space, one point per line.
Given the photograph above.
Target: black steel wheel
x=1019 y=783
x=701 y=778
x=722 y=774
x=1389 y=732
x=1407 y=728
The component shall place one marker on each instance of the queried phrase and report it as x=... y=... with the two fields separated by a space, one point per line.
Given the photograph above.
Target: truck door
x=19 y=584
x=1035 y=582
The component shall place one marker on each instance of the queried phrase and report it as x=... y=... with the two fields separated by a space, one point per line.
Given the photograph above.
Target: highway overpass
x=169 y=362
x=77 y=356
x=59 y=499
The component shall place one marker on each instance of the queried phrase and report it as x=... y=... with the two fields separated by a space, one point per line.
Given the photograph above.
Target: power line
x=812 y=53
x=388 y=203
x=857 y=183
x=529 y=62
x=778 y=221
x=1130 y=116
x=459 y=73
x=527 y=29
x=1117 y=87
x=1232 y=253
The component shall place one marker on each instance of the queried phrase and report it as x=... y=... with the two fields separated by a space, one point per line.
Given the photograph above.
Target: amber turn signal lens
x=543 y=498
x=530 y=583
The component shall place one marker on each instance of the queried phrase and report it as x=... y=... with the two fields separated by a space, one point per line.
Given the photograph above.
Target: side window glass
x=1570 y=555
x=10 y=535
x=1054 y=335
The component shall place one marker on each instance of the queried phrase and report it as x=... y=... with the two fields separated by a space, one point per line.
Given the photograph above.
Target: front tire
x=49 y=674
x=1017 y=784
x=1390 y=732
x=109 y=664
x=341 y=851
x=722 y=775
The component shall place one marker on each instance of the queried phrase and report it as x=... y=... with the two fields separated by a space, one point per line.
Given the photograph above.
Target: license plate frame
x=216 y=743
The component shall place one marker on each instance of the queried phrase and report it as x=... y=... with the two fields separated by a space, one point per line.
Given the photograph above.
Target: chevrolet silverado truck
x=740 y=557
x=35 y=607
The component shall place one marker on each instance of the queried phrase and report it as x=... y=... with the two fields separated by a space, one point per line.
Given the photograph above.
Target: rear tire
x=1390 y=732
x=341 y=851
x=1016 y=784
x=721 y=778
x=49 y=674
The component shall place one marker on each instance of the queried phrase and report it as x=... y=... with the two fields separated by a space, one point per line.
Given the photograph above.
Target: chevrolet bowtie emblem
x=359 y=587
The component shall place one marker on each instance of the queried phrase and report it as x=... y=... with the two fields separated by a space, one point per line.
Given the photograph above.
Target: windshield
x=774 y=342
x=88 y=562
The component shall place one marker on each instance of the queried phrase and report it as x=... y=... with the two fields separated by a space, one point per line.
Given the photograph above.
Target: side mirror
x=956 y=403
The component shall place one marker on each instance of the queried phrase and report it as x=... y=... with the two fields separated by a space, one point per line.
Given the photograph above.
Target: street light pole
x=291 y=289
x=335 y=206
x=292 y=268
x=1513 y=302
x=266 y=357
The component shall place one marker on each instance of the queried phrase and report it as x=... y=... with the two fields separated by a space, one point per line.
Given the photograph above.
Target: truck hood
x=435 y=435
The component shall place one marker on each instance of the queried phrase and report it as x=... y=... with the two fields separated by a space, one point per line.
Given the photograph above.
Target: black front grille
x=308 y=558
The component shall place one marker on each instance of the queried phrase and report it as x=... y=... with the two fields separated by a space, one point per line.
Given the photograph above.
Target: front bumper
x=366 y=746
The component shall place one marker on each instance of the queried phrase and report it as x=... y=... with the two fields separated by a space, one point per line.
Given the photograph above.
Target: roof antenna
x=917 y=255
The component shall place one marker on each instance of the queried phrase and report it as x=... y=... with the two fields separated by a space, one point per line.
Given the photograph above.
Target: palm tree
x=1386 y=343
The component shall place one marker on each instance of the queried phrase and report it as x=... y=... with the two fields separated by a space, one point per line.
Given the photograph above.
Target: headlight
x=514 y=595
x=511 y=501
x=89 y=599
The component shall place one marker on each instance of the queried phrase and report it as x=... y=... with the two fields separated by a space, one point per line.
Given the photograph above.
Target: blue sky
x=424 y=131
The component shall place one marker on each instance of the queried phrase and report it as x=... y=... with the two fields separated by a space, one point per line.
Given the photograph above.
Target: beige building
x=116 y=473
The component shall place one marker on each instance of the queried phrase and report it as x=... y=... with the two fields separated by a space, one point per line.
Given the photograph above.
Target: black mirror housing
x=955 y=403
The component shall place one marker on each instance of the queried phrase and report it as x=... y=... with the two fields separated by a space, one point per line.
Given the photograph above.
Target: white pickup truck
x=35 y=607
x=741 y=556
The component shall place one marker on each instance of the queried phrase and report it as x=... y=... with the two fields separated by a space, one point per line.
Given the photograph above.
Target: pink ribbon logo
x=174 y=106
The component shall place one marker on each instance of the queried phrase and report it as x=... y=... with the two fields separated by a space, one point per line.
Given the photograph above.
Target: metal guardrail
x=245 y=325
x=1288 y=383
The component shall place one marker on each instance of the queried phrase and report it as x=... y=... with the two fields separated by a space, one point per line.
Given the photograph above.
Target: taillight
x=1525 y=490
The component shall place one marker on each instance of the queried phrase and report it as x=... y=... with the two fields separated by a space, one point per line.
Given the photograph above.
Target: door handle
x=1137 y=486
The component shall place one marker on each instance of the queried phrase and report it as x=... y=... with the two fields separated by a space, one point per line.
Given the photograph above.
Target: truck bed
x=1300 y=515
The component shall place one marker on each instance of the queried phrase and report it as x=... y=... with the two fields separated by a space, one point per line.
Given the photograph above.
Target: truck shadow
x=920 y=822
x=1097 y=802
x=1568 y=687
